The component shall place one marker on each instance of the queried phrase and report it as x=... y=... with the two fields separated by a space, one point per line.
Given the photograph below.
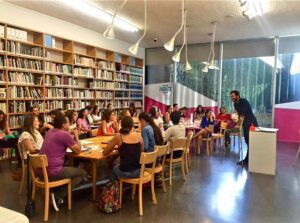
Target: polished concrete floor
x=216 y=190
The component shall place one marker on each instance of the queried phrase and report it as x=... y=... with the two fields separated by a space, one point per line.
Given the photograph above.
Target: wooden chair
x=160 y=168
x=41 y=162
x=94 y=132
x=207 y=139
x=239 y=134
x=221 y=135
x=146 y=175
x=22 y=153
x=181 y=145
x=187 y=155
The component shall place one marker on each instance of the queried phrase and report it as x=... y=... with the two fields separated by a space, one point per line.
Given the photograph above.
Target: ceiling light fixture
x=187 y=64
x=253 y=8
x=134 y=48
x=95 y=11
x=176 y=57
x=170 y=44
x=109 y=32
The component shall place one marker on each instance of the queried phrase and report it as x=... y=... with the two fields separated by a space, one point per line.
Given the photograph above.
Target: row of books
x=16 y=34
x=2 y=45
x=104 y=74
x=136 y=79
x=136 y=70
x=3 y=107
x=19 y=48
x=123 y=77
x=88 y=72
x=105 y=65
x=25 y=92
x=58 y=93
x=2 y=31
x=104 y=94
x=59 y=81
x=84 y=94
x=135 y=95
x=17 y=106
x=79 y=104
x=121 y=94
x=23 y=63
x=16 y=121
x=136 y=87
x=58 y=68
x=138 y=103
x=103 y=104
x=102 y=84
x=21 y=78
x=121 y=103
x=86 y=61
x=53 y=104
x=123 y=67
x=1 y=61
x=2 y=77
x=121 y=85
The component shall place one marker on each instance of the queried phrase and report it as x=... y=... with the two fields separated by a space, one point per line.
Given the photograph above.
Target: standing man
x=246 y=117
x=176 y=107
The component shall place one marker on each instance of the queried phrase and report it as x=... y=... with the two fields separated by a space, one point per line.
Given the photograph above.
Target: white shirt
x=175 y=131
x=89 y=117
x=37 y=144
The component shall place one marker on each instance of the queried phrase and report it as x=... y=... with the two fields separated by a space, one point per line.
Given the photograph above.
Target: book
x=48 y=41
x=1 y=31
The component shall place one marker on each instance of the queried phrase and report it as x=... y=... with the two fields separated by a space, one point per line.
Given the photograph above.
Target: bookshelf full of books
x=50 y=72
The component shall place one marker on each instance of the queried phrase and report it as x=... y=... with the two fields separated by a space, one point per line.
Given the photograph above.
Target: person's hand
x=75 y=132
x=237 y=126
x=46 y=125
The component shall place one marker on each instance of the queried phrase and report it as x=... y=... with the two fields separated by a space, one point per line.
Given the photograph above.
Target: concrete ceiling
x=164 y=19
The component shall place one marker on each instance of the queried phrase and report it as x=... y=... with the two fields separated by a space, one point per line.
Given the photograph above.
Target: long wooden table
x=93 y=155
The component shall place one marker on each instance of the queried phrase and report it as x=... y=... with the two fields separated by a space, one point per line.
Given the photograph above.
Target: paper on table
x=82 y=149
x=263 y=129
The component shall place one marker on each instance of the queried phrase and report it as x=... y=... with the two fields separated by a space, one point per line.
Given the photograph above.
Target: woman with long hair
x=83 y=123
x=109 y=125
x=4 y=127
x=150 y=132
x=72 y=116
x=167 y=119
x=199 y=113
x=130 y=146
x=95 y=114
x=31 y=138
x=132 y=109
x=154 y=113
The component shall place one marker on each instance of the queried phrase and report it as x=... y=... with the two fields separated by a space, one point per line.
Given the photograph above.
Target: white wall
x=19 y=16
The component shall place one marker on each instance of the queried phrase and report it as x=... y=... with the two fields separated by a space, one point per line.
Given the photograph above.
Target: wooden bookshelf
x=39 y=69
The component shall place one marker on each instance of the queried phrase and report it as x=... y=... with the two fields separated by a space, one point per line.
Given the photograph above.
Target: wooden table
x=7 y=215
x=94 y=156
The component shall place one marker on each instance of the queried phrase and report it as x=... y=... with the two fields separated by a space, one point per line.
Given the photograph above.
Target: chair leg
x=163 y=180
x=140 y=199
x=46 y=214
x=153 y=190
x=170 y=173
x=182 y=168
x=186 y=162
x=70 y=195
x=22 y=180
x=33 y=191
x=207 y=148
x=121 y=192
x=133 y=191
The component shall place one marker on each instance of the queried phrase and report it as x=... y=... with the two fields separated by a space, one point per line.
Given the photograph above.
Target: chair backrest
x=94 y=132
x=37 y=162
x=22 y=152
x=147 y=158
x=178 y=144
x=189 y=139
x=223 y=127
x=162 y=150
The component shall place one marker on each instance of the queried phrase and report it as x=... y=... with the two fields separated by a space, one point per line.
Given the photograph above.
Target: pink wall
x=288 y=123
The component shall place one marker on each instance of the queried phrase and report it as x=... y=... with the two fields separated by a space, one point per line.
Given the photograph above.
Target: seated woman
x=72 y=116
x=132 y=109
x=124 y=113
x=89 y=108
x=175 y=131
x=199 y=113
x=130 y=145
x=31 y=138
x=150 y=132
x=95 y=114
x=206 y=129
x=109 y=125
x=83 y=124
x=222 y=116
x=154 y=113
x=4 y=132
x=166 y=118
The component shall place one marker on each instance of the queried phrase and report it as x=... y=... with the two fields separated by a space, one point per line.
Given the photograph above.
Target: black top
x=129 y=156
x=244 y=108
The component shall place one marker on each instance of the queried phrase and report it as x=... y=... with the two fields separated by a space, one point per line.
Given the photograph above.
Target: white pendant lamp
x=109 y=32
x=134 y=48
x=212 y=64
x=187 y=64
x=205 y=68
x=170 y=44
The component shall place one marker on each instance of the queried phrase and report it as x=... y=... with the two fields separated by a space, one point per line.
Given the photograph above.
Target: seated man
x=56 y=142
x=175 y=131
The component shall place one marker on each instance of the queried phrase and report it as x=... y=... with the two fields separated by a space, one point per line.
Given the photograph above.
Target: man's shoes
x=56 y=202
x=242 y=163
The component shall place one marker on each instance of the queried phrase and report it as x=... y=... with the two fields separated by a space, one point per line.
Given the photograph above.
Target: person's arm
x=167 y=117
x=116 y=140
x=7 y=129
x=104 y=129
x=29 y=146
x=115 y=126
x=142 y=144
x=167 y=134
x=76 y=147
x=146 y=138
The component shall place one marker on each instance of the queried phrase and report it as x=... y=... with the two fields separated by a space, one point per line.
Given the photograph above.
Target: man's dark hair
x=126 y=125
x=108 y=105
x=174 y=105
x=31 y=108
x=175 y=117
x=59 y=120
x=237 y=93
x=89 y=107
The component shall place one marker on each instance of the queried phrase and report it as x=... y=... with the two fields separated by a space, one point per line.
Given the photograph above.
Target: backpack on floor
x=109 y=199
